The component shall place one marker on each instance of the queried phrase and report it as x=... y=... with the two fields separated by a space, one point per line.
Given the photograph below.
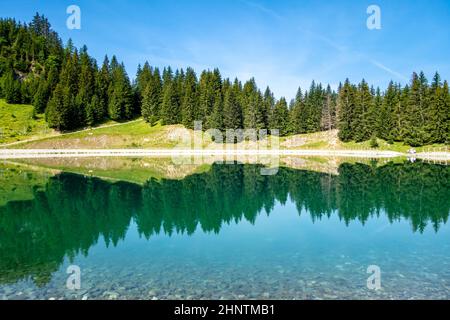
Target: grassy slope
x=17 y=124
x=133 y=134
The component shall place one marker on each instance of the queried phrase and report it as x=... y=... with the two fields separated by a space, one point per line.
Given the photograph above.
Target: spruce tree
x=346 y=105
x=328 y=120
x=11 y=88
x=103 y=80
x=386 y=118
x=143 y=77
x=86 y=87
x=268 y=106
x=169 y=106
x=444 y=114
x=360 y=124
x=151 y=100
x=295 y=115
x=232 y=111
x=120 y=105
x=437 y=115
x=98 y=109
x=215 y=120
x=90 y=112
x=252 y=106
x=41 y=97
x=179 y=92
x=61 y=109
x=280 y=117
x=189 y=107
x=206 y=96
x=414 y=126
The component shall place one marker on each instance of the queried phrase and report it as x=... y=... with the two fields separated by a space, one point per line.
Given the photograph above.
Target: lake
x=226 y=232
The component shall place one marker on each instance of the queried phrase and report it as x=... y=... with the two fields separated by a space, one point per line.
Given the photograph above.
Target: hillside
x=19 y=130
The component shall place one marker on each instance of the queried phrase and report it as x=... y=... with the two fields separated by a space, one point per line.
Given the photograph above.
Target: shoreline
x=47 y=153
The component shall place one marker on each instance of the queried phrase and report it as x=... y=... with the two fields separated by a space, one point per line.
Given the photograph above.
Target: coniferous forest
x=73 y=91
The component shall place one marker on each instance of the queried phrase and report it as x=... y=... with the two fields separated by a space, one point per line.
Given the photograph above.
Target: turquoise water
x=230 y=233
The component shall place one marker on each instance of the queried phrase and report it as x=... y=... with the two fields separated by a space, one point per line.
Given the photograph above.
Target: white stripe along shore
x=50 y=153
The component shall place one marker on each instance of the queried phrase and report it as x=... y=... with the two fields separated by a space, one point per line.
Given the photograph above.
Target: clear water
x=230 y=233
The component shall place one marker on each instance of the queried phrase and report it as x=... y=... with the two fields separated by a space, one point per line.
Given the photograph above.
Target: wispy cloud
x=263 y=9
x=389 y=70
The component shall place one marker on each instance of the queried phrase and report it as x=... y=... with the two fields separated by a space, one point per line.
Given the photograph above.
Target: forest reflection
x=72 y=212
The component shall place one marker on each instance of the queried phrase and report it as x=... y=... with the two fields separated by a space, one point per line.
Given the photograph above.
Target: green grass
x=18 y=183
x=382 y=145
x=133 y=134
x=396 y=146
x=17 y=123
x=316 y=145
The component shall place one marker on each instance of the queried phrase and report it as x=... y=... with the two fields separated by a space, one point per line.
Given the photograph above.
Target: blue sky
x=283 y=44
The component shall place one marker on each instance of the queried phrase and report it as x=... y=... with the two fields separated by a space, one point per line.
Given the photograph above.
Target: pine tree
x=437 y=116
x=179 y=92
x=373 y=114
x=86 y=87
x=328 y=120
x=120 y=106
x=215 y=120
x=11 y=88
x=295 y=115
x=252 y=106
x=60 y=109
x=143 y=77
x=189 y=107
x=169 y=106
x=413 y=128
x=360 y=121
x=206 y=96
x=170 y=109
x=103 y=80
x=211 y=100
x=232 y=111
x=151 y=100
x=315 y=106
x=386 y=118
x=346 y=105
x=90 y=112
x=41 y=97
x=444 y=115
x=280 y=117
x=268 y=106
x=400 y=112
x=98 y=110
